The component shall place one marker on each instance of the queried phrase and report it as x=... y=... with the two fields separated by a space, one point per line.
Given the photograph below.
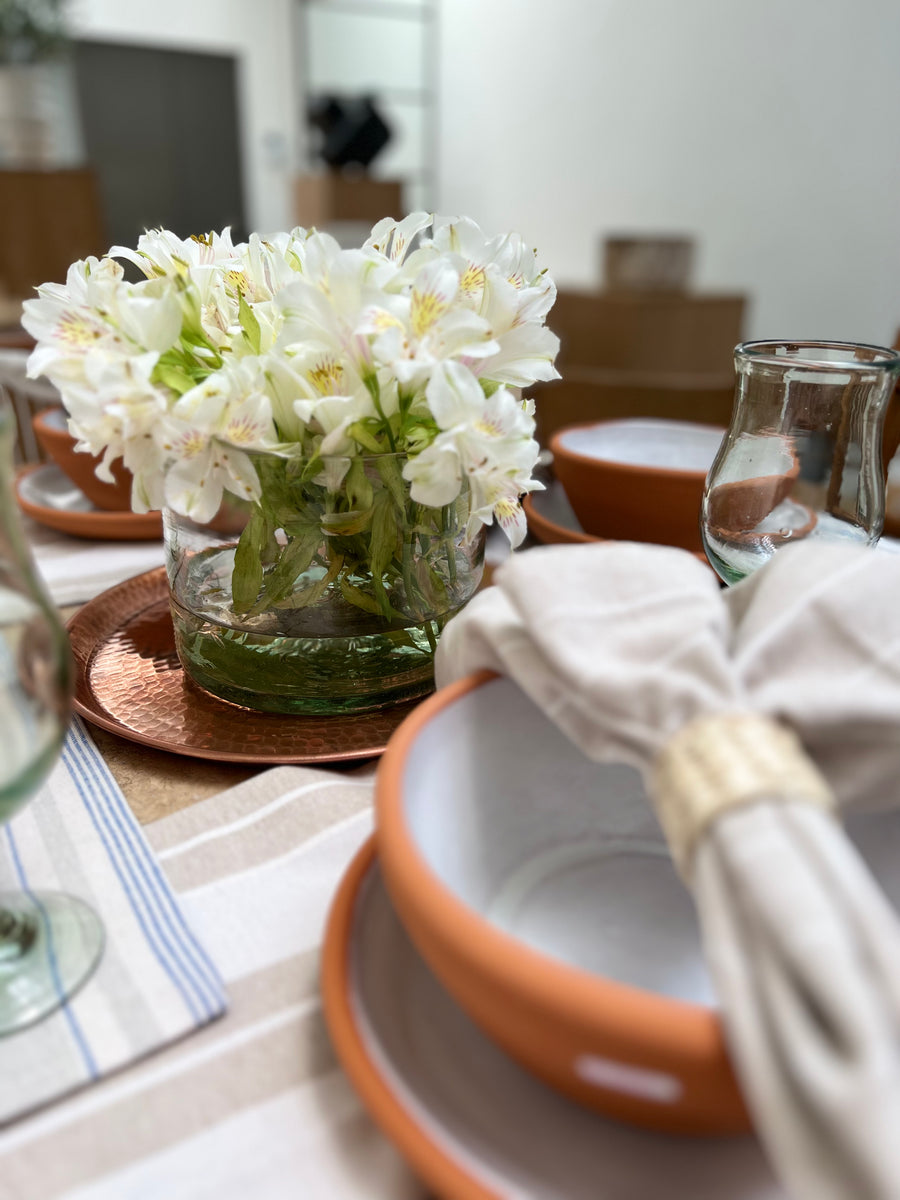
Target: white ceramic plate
x=471 y=1121
x=48 y=487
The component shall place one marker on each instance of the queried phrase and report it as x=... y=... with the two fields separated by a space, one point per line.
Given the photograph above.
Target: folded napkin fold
x=625 y=646
x=155 y=982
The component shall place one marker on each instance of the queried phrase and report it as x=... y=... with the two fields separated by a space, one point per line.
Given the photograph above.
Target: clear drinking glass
x=802 y=456
x=49 y=943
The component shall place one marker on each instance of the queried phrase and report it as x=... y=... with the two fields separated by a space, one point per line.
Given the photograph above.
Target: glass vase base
x=50 y=945
x=307 y=676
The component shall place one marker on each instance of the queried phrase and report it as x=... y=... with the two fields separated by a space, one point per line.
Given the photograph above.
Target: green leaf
x=360 y=433
x=358 y=485
x=316 y=591
x=344 y=524
x=249 y=324
x=247 y=576
x=359 y=598
x=389 y=470
x=295 y=558
x=386 y=536
x=172 y=377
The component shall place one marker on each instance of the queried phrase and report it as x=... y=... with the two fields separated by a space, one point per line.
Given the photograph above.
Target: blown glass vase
x=327 y=595
x=802 y=455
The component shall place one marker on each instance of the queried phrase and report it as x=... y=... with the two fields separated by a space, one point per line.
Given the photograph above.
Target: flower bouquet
x=328 y=432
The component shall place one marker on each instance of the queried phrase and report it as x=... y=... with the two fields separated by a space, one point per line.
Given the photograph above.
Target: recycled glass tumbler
x=802 y=455
x=49 y=943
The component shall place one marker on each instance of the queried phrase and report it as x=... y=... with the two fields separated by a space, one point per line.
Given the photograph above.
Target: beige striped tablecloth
x=256 y=1104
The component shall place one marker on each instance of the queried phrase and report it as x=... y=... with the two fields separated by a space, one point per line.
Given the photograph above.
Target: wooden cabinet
x=48 y=219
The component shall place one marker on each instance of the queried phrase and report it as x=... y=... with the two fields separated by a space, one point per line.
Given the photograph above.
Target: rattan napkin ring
x=720 y=762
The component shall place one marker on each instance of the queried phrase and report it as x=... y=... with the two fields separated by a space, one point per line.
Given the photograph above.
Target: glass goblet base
x=50 y=944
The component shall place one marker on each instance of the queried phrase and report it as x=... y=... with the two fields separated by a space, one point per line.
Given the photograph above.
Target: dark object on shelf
x=353 y=132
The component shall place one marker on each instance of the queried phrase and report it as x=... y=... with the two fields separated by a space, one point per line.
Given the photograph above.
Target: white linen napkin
x=622 y=645
x=155 y=982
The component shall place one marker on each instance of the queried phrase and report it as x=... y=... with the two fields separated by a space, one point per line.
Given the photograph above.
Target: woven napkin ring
x=721 y=762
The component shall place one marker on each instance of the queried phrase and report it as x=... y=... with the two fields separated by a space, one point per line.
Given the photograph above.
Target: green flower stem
x=449 y=546
x=375 y=392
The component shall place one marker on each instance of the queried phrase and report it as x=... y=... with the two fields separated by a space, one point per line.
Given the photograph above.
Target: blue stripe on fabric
x=156 y=943
x=72 y=1021
x=149 y=867
x=204 y=974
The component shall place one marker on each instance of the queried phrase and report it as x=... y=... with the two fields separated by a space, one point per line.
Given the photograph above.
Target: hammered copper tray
x=128 y=680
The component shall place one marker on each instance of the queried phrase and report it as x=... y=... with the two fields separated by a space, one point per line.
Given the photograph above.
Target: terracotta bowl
x=639 y=480
x=537 y=886
x=52 y=432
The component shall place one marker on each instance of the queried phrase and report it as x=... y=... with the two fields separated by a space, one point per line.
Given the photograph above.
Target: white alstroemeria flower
x=412 y=336
x=161 y=252
x=495 y=494
x=323 y=307
x=335 y=414
x=394 y=238
x=289 y=343
x=267 y=266
x=526 y=354
x=487 y=439
x=95 y=317
x=204 y=471
x=205 y=436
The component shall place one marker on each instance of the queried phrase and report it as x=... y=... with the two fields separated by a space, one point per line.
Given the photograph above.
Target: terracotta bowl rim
x=40 y=420
x=611 y=465
x=678 y=1028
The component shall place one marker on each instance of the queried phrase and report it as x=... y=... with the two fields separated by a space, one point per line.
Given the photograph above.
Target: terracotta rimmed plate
x=50 y=498
x=552 y=521
x=128 y=680
x=551 y=518
x=471 y=1123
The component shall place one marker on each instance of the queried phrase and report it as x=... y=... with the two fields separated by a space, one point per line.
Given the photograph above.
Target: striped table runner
x=255 y=1104
x=155 y=982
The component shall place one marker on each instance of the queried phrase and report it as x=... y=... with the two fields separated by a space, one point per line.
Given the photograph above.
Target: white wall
x=769 y=130
x=260 y=33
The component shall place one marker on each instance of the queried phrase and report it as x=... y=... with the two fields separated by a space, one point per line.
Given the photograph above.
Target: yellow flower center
x=237 y=280
x=76 y=330
x=326 y=376
x=472 y=281
x=486 y=425
x=191 y=444
x=426 y=308
x=240 y=431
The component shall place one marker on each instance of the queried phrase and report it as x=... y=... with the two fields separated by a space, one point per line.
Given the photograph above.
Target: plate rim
x=96 y=715
x=427 y=1158
x=551 y=533
x=95 y=523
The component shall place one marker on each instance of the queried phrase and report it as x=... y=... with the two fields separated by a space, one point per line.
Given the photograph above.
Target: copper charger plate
x=128 y=680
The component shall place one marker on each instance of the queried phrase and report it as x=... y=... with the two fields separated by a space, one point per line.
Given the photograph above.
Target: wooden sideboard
x=48 y=219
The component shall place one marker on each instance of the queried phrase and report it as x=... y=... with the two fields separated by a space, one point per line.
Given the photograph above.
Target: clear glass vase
x=328 y=595
x=802 y=455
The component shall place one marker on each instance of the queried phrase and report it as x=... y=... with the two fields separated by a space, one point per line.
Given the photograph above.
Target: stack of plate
x=513 y=961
